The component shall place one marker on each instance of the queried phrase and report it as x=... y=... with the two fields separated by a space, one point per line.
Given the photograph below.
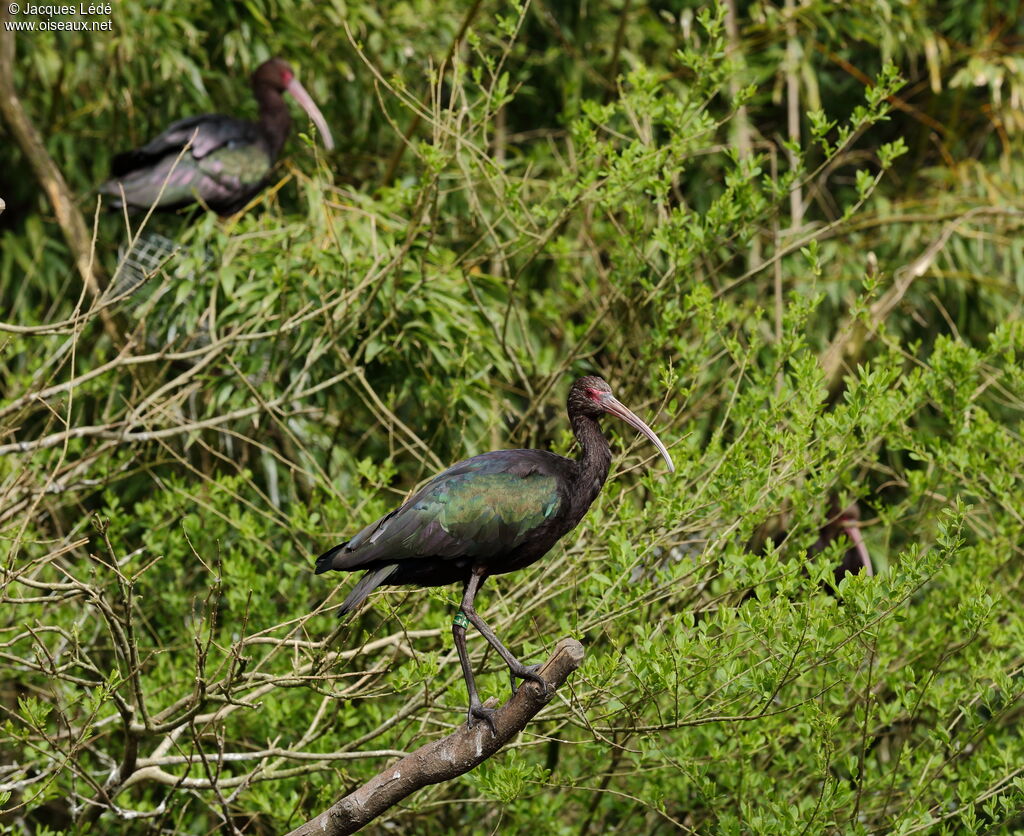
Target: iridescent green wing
x=236 y=167
x=485 y=506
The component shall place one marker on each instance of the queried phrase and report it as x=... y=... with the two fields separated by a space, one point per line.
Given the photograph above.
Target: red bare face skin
x=275 y=73
x=280 y=76
x=592 y=397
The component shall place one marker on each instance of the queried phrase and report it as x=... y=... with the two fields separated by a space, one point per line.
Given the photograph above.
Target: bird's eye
x=594 y=395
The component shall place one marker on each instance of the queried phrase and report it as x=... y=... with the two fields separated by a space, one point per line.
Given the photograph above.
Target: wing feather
x=210 y=131
x=486 y=505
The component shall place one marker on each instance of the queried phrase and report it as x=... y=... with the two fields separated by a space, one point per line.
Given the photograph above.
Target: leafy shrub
x=808 y=319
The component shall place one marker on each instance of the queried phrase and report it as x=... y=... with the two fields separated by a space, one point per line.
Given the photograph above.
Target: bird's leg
x=476 y=708
x=517 y=670
x=529 y=672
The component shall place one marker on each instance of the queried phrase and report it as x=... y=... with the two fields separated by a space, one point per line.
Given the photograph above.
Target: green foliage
x=506 y=780
x=808 y=318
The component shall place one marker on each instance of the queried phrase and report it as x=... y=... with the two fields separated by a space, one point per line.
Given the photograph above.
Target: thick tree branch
x=71 y=222
x=447 y=758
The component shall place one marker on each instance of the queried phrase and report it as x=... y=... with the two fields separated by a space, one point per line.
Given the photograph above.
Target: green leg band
x=460 y=620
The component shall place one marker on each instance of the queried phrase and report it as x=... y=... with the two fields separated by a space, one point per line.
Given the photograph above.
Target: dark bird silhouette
x=229 y=160
x=844 y=522
x=840 y=522
x=488 y=515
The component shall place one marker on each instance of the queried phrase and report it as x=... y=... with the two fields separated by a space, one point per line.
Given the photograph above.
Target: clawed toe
x=530 y=672
x=478 y=712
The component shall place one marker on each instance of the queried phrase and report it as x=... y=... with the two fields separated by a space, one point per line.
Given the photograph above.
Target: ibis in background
x=488 y=515
x=845 y=521
x=227 y=161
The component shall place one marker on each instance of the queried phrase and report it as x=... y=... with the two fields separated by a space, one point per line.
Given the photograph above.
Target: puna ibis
x=488 y=515
x=840 y=522
x=844 y=521
x=229 y=159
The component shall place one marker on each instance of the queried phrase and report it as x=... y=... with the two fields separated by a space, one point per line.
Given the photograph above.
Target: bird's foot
x=478 y=712
x=528 y=672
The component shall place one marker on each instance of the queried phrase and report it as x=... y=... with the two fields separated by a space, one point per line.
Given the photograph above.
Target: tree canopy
x=788 y=234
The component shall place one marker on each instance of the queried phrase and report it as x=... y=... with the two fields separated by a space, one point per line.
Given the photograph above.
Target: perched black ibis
x=841 y=522
x=488 y=515
x=229 y=159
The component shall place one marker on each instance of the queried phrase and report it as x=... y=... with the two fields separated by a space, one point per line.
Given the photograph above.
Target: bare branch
x=447 y=758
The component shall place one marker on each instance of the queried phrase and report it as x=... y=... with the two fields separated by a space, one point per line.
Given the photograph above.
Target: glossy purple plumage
x=495 y=513
x=485 y=516
x=228 y=161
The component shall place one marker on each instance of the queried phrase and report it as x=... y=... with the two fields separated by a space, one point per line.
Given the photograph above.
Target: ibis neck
x=593 y=462
x=275 y=120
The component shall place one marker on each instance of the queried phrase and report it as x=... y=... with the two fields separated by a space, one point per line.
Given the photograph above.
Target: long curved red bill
x=303 y=98
x=615 y=407
x=853 y=533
